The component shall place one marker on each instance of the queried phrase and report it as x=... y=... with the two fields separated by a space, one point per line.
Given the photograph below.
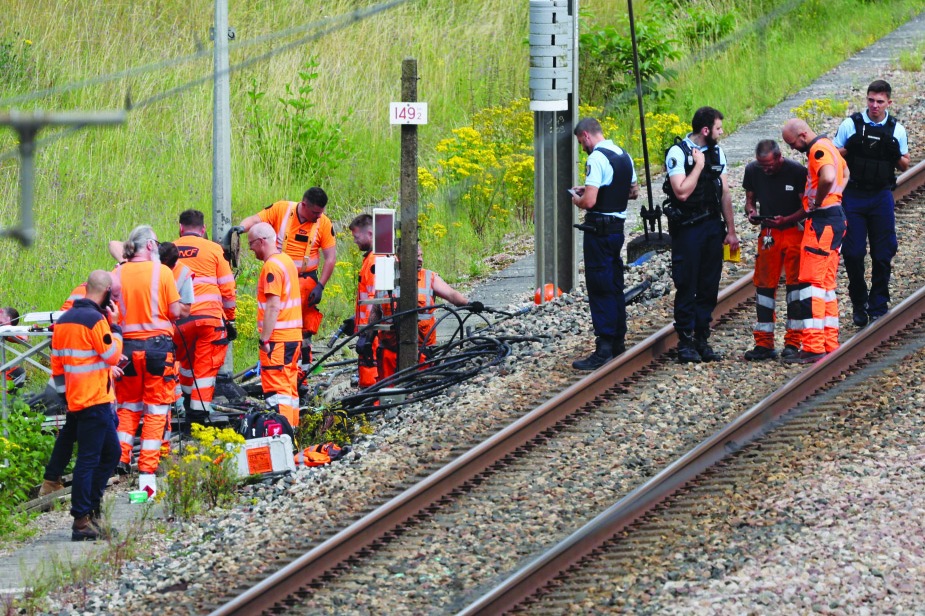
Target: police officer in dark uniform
x=610 y=183
x=875 y=144
x=698 y=204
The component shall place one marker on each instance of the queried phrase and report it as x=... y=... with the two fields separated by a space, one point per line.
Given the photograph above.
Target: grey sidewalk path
x=54 y=548
x=857 y=71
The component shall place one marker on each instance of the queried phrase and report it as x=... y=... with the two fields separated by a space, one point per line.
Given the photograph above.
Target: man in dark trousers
x=774 y=199
x=610 y=182
x=84 y=350
x=875 y=144
x=699 y=213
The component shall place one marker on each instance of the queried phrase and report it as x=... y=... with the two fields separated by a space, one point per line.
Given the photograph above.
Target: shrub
x=26 y=449
x=316 y=146
x=817 y=110
x=203 y=475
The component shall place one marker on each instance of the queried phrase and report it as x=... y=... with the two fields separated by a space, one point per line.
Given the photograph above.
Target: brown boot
x=50 y=486
x=84 y=530
x=103 y=528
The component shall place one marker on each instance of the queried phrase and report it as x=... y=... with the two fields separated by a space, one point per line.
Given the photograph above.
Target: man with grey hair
x=774 y=200
x=148 y=305
x=279 y=323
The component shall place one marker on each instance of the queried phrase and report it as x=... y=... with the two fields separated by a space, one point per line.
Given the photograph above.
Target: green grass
x=99 y=183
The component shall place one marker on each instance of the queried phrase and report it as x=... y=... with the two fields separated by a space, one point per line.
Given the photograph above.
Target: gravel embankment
x=205 y=558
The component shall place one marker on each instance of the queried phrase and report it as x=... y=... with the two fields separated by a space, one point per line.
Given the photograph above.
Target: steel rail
x=386 y=518
x=539 y=572
x=378 y=523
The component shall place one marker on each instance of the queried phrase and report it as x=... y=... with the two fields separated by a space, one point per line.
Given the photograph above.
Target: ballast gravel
x=186 y=565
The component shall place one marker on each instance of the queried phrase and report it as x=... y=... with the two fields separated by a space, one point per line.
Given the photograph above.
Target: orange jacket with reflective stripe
x=823 y=152
x=366 y=289
x=213 y=282
x=148 y=289
x=298 y=239
x=427 y=333
x=279 y=277
x=79 y=292
x=83 y=349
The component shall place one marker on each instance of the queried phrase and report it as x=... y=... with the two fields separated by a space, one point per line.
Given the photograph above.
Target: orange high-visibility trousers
x=201 y=348
x=279 y=372
x=781 y=252
x=819 y=258
x=147 y=388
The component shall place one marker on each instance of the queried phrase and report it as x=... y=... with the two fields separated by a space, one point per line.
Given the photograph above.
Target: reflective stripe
x=224 y=279
x=811 y=324
x=204 y=382
x=765 y=301
x=831 y=322
x=186 y=372
x=134 y=407
x=206 y=280
x=110 y=351
x=764 y=327
x=272 y=399
x=125 y=437
x=86 y=368
x=202 y=298
x=73 y=353
x=281 y=233
x=151 y=444
x=186 y=389
x=292 y=303
x=229 y=303
x=830 y=295
x=794 y=324
x=793 y=296
x=199 y=405
x=157 y=409
x=287 y=400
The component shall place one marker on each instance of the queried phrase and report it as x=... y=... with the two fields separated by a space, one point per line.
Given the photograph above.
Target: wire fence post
x=408 y=253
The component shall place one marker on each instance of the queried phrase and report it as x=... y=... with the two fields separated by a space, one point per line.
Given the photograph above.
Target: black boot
x=687 y=352
x=603 y=353
x=703 y=347
x=84 y=530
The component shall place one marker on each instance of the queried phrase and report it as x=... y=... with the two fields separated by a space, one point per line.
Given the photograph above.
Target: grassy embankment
x=99 y=183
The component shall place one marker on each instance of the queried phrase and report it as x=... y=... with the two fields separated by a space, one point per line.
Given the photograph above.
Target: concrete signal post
x=554 y=101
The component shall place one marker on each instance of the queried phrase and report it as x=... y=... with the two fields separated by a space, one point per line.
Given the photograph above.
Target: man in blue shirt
x=875 y=144
x=700 y=221
x=610 y=182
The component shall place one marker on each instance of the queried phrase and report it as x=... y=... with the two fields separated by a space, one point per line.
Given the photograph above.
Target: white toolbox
x=269 y=454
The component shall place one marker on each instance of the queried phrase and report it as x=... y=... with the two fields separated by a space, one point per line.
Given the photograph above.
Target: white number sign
x=407 y=113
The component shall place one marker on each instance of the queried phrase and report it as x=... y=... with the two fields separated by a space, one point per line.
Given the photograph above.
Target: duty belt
x=601 y=224
x=312 y=274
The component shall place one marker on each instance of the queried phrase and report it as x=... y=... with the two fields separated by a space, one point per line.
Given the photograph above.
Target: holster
x=601 y=225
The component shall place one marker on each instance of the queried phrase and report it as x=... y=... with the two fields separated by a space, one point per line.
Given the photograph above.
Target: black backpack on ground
x=259 y=424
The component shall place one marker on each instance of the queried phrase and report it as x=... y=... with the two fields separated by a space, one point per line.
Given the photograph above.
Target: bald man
x=820 y=249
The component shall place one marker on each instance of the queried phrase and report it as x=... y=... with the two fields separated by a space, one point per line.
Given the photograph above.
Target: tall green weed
x=25 y=449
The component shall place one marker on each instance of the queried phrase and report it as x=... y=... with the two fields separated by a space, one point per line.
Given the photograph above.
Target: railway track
x=394 y=547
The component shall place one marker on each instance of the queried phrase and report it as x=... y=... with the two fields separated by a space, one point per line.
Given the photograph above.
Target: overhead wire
x=322 y=28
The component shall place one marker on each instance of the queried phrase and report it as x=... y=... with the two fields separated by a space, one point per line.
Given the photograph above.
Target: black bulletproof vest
x=614 y=196
x=868 y=157
x=709 y=185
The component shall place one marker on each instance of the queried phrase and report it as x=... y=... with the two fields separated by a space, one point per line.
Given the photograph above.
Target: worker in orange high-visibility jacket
x=149 y=304
x=368 y=343
x=84 y=352
x=202 y=338
x=430 y=284
x=822 y=239
x=306 y=234
x=279 y=323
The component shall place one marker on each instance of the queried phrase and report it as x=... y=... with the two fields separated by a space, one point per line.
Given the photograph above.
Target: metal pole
x=221 y=143
x=652 y=215
x=408 y=253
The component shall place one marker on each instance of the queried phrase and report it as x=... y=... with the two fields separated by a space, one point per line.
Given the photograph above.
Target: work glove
x=238 y=229
x=348 y=327
x=315 y=296
x=231 y=331
x=477 y=307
